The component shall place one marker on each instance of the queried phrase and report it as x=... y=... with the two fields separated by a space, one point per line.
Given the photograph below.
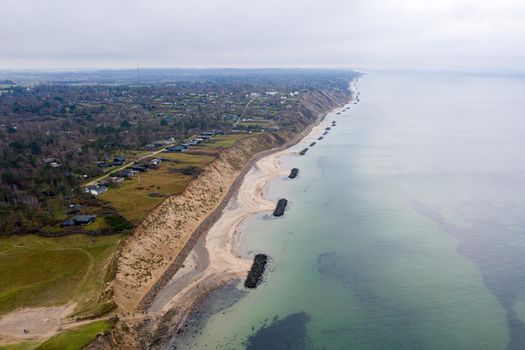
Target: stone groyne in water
x=281 y=206
x=293 y=173
x=254 y=277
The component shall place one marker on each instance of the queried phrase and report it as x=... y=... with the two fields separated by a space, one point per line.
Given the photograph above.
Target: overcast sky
x=389 y=34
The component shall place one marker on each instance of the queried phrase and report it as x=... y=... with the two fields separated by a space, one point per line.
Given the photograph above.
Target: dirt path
x=44 y=322
x=244 y=111
x=41 y=322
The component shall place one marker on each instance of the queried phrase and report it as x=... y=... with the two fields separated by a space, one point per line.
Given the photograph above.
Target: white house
x=95 y=190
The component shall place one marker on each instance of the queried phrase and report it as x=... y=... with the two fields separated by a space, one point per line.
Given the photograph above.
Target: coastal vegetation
x=77 y=338
x=46 y=263
x=55 y=271
x=26 y=345
x=140 y=194
x=57 y=135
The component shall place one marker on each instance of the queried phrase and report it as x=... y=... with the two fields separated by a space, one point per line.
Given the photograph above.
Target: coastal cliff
x=158 y=246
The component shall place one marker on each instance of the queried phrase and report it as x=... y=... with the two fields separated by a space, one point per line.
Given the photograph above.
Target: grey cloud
x=435 y=34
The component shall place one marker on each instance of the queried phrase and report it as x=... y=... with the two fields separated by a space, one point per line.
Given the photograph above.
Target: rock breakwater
x=254 y=277
x=281 y=206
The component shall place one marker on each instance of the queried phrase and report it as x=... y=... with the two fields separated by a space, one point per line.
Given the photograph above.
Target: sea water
x=405 y=228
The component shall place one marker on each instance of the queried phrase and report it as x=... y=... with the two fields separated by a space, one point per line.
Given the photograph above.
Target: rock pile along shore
x=279 y=209
x=254 y=277
x=293 y=173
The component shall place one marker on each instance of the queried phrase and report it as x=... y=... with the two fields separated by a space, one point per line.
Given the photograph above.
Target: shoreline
x=201 y=274
x=202 y=229
x=200 y=238
x=191 y=277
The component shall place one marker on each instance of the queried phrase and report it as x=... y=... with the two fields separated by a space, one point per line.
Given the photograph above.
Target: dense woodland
x=54 y=129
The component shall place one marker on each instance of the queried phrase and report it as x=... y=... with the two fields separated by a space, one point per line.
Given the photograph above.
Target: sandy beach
x=214 y=261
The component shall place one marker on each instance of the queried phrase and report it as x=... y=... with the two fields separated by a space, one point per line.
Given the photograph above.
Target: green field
x=27 y=345
x=39 y=271
x=77 y=338
x=139 y=195
x=224 y=141
x=260 y=123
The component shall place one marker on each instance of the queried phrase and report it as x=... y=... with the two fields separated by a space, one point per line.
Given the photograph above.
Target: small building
x=84 y=219
x=95 y=190
x=175 y=149
x=141 y=168
x=68 y=223
x=119 y=160
x=155 y=161
x=194 y=142
x=103 y=165
x=55 y=165
x=113 y=181
x=126 y=173
x=49 y=160
x=79 y=220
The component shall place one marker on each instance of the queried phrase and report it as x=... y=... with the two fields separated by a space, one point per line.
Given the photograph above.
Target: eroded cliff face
x=149 y=257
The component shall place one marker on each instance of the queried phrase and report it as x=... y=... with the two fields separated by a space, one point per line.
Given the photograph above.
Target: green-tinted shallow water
x=405 y=228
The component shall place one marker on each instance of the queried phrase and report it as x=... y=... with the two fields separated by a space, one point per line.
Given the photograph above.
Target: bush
x=191 y=170
x=118 y=222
